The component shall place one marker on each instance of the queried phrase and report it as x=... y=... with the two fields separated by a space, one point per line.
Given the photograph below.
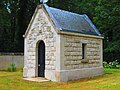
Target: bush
x=114 y=65
x=11 y=68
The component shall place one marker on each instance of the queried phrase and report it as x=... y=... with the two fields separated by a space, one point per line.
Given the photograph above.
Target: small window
x=84 y=51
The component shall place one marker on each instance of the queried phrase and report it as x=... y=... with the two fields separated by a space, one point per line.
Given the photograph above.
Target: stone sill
x=85 y=61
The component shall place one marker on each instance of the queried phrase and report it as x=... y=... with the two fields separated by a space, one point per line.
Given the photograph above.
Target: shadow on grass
x=108 y=73
x=3 y=70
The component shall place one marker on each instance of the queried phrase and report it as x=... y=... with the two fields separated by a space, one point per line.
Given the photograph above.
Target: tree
x=107 y=18
x=4 y=26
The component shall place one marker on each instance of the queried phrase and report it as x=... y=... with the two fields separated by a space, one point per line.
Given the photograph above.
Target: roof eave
x=80 y=35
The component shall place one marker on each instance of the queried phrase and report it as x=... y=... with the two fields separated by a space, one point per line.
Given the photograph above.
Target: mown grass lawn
x=14 y=81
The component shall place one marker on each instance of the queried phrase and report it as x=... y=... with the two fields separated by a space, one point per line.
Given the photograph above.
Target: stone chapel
x=62 y=46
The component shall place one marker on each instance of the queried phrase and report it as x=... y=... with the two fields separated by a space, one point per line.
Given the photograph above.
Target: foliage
x=11 y=68
x=113 y=65
x=110 y=57
x=14 y=18
x=107 y=18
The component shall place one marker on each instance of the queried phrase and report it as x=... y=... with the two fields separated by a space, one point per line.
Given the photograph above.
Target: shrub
x=105 y=65
x=114 y=65
x=11 y=68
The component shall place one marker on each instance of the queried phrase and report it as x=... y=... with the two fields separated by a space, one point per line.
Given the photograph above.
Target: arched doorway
x=41 y=59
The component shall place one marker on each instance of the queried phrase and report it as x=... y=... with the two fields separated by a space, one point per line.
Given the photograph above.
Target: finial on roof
x=43 y=1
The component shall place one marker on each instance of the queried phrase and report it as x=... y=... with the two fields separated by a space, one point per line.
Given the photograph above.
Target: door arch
x=41 y=59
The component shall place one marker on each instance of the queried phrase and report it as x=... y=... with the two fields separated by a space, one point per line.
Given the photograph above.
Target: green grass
x=14 y=81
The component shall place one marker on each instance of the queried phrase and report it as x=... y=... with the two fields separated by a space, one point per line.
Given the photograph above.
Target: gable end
x=47 y=13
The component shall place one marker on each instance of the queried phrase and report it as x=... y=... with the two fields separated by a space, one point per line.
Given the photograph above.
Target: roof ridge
x=68 y=11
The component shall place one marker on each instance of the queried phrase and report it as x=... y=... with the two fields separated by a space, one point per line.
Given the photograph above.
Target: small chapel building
x=62 y=46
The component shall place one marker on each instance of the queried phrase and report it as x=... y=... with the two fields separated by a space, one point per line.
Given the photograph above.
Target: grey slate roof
x=72 y=22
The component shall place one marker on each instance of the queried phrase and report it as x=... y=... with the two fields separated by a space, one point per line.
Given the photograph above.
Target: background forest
x=16 y=14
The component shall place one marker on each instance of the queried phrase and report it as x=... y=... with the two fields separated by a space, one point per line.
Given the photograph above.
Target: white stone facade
x=41 y=29
x=73 y=52
x=63 y=51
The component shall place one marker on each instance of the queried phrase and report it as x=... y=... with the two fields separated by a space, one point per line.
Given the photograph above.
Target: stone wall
x=7 y=59
x=73 y=52
x=41 y=29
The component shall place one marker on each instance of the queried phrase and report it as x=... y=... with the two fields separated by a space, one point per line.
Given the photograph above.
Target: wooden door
x=41 y=59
